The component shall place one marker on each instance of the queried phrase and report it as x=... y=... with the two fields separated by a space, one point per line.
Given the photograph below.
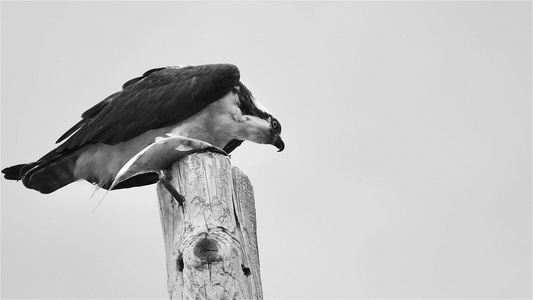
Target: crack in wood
x=246 y=270
x=179 y=262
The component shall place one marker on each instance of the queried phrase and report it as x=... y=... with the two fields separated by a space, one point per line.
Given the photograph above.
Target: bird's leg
x=163 y=178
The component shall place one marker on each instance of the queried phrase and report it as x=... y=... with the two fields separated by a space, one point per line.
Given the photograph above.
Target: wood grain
x=210 y=241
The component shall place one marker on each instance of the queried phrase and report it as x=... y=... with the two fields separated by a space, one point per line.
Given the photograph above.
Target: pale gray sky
x=407 y=171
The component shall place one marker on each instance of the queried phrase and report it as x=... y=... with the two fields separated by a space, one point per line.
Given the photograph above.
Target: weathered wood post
x=210 y=241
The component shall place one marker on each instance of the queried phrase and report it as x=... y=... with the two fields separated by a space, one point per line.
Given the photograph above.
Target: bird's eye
x=274 y=123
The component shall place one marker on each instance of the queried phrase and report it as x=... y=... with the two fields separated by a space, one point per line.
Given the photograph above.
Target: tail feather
x=14 y=172
x=52 y=172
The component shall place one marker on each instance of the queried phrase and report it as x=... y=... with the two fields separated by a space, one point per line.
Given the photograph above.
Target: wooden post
x=210 y=241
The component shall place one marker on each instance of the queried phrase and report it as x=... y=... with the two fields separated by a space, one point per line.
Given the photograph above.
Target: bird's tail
x=52 y=172
x=13 y=173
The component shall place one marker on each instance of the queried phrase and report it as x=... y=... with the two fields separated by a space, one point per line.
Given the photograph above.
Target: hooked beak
x=278 y=142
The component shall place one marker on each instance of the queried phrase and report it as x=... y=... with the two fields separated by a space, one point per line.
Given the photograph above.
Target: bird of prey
x=201 y=107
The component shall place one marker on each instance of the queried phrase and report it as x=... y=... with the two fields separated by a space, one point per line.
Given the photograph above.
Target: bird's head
x=260 y=125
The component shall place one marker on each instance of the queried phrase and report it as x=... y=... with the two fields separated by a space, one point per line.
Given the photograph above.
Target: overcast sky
x=407 y=168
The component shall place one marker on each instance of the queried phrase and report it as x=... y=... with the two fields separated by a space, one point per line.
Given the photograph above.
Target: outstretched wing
x=159 y=98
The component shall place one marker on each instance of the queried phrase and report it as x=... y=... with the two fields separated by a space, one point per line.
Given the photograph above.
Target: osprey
x=201 y=107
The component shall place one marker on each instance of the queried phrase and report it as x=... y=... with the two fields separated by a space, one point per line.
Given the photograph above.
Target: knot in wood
x=207 y=250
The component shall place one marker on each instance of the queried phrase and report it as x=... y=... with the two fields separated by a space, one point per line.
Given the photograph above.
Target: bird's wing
x=159 y=98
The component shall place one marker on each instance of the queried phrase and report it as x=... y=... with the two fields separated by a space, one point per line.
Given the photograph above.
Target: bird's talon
x=163 y=178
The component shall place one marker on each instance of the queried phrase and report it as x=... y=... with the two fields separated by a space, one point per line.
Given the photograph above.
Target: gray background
x=407 y=172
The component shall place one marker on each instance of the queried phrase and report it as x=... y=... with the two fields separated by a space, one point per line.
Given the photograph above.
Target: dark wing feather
x=87 y=116
x=161 y=97
x=134 y=80
x=232 y=145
